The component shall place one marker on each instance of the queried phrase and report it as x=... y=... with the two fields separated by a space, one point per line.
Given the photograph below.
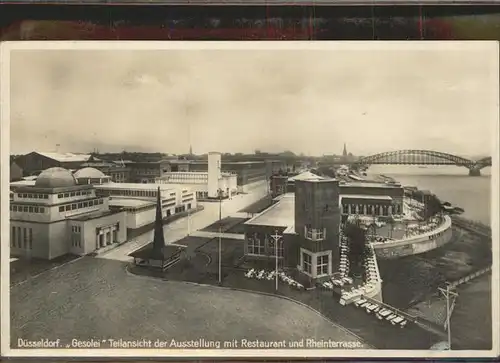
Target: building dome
x=89 y=173
x=55 y=178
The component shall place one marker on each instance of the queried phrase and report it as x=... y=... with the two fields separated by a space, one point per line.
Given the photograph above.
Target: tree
x=356 y=236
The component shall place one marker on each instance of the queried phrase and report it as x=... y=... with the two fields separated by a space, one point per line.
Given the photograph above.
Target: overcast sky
x=242 y=100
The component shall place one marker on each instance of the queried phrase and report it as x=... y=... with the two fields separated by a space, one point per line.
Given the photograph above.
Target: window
x=315 y=234
x=85 y=204
x=100 y=201
x=61 y=209
x=307 y=262
x=30 y=240
x=13 y=237
x=25 y=209
x=322 y=265
x=30 y=209
x=19 y=237
x=42 y=210
x=14 y=208
x=255 y=245
x=73 y=206
x=72 y=194
x=78 y=194
x=67 y=207
x=80 y=205
x=59 y=195
x=35 y=209
x=272 y=248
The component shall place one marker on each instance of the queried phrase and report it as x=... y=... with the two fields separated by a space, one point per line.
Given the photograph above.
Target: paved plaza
x=97 y=298
x=180 y=228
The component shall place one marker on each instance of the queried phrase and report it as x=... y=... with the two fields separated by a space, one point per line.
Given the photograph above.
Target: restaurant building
x=306 y=226
x=365 y=198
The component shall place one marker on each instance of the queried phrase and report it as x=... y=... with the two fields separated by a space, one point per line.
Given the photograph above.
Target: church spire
x=159 y=238
x=344 y=153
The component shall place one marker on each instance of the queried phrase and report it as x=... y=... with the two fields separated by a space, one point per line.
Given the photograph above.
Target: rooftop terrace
x=280 y=214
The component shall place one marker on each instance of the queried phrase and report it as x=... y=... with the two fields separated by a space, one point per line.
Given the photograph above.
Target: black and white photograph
x=246 y=199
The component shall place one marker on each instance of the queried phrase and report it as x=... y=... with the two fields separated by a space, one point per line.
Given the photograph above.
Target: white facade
x=50 y=222
x=214 y=174
x=139 y=200
x=198 y=182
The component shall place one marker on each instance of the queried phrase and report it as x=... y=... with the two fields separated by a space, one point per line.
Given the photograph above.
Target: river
x=413 y=277
x=449 y=183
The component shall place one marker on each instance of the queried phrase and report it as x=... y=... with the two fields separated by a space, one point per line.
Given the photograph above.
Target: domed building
x=55 y=178
x=58 y=216
x=91 y=176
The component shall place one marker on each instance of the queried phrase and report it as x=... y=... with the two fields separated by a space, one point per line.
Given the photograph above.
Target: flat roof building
x=306 y=225
x=211 y=184
x=138 y=200
x=57 y=216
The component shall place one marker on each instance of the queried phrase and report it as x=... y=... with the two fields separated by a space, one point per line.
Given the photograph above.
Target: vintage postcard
x=257 y=199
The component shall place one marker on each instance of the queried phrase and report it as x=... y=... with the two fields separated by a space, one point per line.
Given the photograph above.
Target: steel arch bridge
x=423 y=157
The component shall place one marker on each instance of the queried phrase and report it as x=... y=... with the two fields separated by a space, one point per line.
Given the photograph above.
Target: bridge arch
x=484 y=162
x=416 y=157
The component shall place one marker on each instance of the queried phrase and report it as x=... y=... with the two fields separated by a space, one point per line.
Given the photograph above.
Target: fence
x=469 y=277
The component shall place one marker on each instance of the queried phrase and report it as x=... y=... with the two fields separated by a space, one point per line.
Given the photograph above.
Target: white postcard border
x=7 y=47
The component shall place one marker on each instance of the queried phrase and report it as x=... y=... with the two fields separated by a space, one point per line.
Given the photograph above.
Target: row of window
x=321 y=264
x=258 y=242
x=76 y=229
x=32 y=196
x=73 y=206
x=130 y=193
x=194 y=176
x=21 y=238
x=27 y=209
x=182 y=208
x=201 y=195
x=81 y=193
x=118 y=176
x=370 y=209
x=149 y=171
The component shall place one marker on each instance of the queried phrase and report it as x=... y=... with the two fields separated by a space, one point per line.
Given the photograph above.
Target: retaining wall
x=416 y=244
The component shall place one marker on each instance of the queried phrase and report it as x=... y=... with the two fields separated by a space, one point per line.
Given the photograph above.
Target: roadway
x=179 y=229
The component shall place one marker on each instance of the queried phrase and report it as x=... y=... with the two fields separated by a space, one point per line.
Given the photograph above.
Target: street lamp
x=219 y=191
x=276 y=238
